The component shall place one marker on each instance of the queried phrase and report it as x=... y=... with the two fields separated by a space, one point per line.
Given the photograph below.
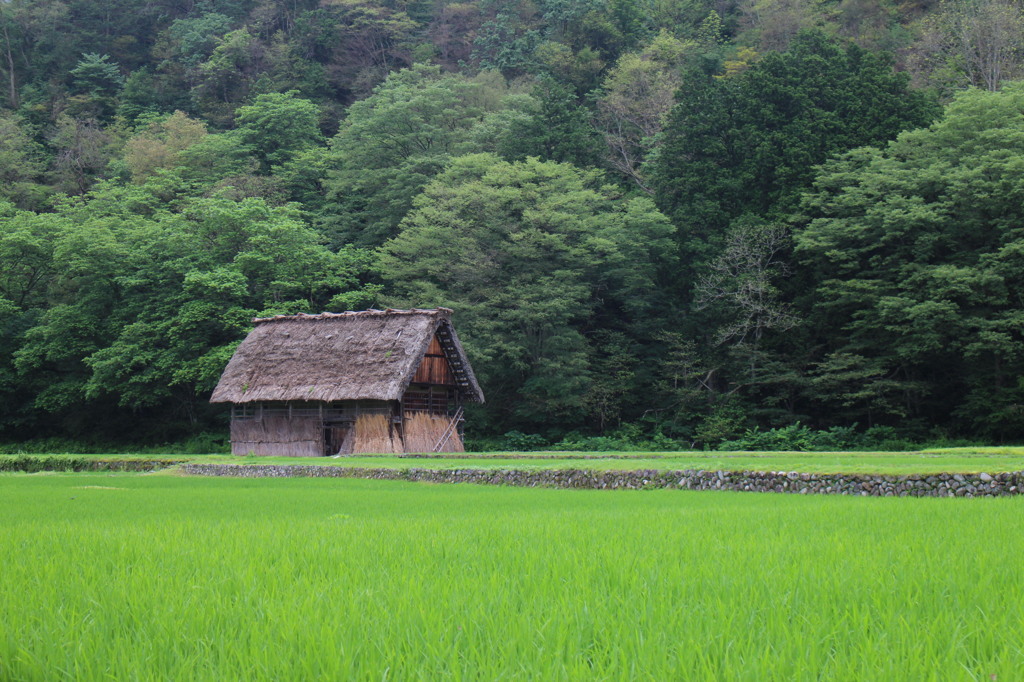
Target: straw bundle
x=423 y=431
x=454 y=443
x=373 y=434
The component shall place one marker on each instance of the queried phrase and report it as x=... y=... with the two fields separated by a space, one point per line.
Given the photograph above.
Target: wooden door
x=334 y=439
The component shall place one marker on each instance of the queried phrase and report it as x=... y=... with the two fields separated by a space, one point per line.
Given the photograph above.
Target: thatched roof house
x=370 y=381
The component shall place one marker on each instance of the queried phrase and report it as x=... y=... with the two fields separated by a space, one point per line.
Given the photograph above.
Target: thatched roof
x=367 y=355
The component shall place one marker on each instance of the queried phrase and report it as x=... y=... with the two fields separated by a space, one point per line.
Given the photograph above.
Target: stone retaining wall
x=935 y=485
x=539 y=454
x=135 y=465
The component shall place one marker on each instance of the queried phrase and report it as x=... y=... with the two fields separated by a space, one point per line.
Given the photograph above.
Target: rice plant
x=158 y=577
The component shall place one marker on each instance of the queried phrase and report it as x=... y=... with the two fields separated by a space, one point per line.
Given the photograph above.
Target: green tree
x=138 y=308
x=26 y=257
x=138 y=96
x=278 y=126
x=84 y=149
x=159 y=142
x=194 y=39
x=225 y=78
x=558 y=129
x=287 y=69
x=391 y=144
x=918 y=258
x=749 y=143
x=95 y=83
x=255 y=260
x=22 y=165
x=304 y=177
x=637 y=94
x=506 y=43
x=217 y=159
x=533 y=255
x=95 y=75
x=580 y=70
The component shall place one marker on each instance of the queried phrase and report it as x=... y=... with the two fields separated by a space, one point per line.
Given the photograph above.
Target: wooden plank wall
x=279 y=436
x=434 y=399
x=434 y=368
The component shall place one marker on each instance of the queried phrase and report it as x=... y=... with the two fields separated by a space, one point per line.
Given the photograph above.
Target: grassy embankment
x=953 y=460
x=154 y=577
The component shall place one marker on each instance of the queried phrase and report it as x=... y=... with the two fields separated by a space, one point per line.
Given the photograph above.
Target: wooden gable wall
x=434 y=368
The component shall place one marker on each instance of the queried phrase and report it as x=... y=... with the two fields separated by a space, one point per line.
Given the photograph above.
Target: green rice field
x=163 y=577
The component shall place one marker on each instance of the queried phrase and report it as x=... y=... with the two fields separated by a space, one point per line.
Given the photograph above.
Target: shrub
x=483 y=443
x=627 y=438
x=885 y=438
x=793 y=437
x=199 y=444
x=31 y=465
x=725 y=422
x=800 y=438
x=517 y=441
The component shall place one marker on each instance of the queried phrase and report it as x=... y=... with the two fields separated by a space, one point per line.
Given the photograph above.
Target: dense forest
x=669 y=219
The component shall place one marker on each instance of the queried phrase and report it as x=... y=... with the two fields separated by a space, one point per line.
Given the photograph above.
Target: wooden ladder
x=444 y=335
x=449 y=430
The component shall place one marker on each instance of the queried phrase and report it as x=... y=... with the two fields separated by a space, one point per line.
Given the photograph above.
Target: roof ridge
x=439 y=311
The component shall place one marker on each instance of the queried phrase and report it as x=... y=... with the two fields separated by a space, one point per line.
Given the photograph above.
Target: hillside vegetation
x=677 y=220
